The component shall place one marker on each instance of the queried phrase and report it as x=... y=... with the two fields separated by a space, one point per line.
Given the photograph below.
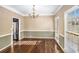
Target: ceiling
x=25 y=10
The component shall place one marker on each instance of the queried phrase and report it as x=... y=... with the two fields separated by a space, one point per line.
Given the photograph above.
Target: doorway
x=15 y=29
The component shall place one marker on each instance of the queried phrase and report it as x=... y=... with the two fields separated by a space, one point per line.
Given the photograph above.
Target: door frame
x=65 y=24
x=12 y=29
x=57 y=20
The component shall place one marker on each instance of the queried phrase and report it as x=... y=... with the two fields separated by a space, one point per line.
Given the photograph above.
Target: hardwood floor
x=34 y=46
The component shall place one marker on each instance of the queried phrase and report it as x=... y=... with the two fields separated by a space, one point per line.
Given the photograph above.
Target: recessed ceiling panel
x=40 y=9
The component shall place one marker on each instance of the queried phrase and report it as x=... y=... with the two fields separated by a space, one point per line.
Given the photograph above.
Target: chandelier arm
x=33 y=12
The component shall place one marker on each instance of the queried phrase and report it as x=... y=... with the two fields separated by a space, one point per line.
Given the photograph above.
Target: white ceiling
x=25 y=10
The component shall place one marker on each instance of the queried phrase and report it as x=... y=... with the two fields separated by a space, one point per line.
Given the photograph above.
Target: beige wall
x=6 y=20
x=27 y=23
x=60 y=13
x=39 y=23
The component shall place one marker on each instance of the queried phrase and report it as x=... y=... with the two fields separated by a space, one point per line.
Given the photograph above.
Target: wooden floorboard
x=34 y=45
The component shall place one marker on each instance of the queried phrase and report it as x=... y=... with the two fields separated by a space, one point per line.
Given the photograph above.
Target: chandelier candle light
x=33 y=14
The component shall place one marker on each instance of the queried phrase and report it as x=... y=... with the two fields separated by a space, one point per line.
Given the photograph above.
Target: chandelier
x=34 y=14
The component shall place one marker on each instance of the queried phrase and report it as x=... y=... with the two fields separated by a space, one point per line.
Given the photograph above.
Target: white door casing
x=57 y=28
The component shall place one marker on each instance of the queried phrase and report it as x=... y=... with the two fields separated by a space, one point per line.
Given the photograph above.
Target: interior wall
x=39 y=27
x=39 y=23
x=60 y=13
x=6 y=18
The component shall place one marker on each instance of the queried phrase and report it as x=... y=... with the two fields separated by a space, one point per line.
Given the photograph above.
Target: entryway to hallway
x=15 y=31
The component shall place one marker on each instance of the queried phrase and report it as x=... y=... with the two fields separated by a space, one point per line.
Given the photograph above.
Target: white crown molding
x=11 y=9
x=58 y=9
x=71 y=9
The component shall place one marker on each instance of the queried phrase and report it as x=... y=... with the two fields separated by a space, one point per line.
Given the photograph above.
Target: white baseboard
x=60 y=45
x=5 y=47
